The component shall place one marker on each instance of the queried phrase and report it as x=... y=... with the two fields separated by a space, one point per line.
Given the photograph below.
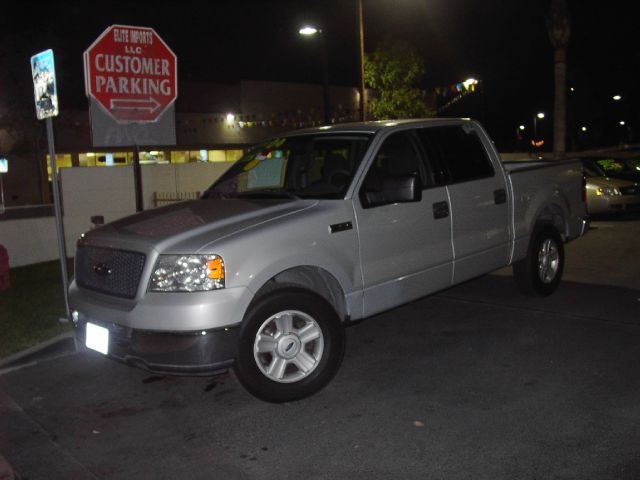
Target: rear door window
x=458 y=153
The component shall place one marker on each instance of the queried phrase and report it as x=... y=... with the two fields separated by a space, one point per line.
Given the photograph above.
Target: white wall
x=102 y=191
x=30 y=240
x=110 y=192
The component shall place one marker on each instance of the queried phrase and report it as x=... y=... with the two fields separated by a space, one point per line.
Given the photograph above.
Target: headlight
x=187 y=273
x=607 y=192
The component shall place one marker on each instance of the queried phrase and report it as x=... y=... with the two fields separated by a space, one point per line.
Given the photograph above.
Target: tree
x=559 y=28
x=392 y=70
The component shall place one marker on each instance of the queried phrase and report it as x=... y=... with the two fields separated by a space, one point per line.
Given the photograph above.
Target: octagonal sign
x=131 y=73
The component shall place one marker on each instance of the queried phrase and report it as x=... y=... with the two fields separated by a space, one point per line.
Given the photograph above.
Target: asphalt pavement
x=477 y=382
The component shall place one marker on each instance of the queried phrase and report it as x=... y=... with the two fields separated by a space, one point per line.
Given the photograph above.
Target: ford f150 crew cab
x=311 y=231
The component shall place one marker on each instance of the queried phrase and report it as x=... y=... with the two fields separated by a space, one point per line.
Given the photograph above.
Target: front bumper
x=164 y=312
x=613 y=204
x=204 y=352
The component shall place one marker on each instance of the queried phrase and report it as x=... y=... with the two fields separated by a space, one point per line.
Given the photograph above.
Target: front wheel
x=291 y=345
x=539 y=274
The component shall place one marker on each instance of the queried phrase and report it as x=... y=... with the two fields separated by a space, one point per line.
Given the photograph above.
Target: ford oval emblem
x=102 y=269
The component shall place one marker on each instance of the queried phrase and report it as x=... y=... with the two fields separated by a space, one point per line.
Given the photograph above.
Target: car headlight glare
x=607 y=192
x=187 y=273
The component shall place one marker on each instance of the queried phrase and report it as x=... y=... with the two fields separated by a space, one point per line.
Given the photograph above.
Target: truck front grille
x=105 y=270
x=630 y=190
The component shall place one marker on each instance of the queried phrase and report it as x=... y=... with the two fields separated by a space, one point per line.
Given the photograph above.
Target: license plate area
x=97 y=338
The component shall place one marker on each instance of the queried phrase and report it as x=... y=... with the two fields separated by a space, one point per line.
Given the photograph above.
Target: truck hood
x=181 y=226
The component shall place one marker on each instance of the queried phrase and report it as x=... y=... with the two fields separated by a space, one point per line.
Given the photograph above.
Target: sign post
x=4 y=168
x=46 y=98
x=132 y=76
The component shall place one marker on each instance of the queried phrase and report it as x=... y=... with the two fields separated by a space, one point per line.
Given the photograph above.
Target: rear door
x=477 y=195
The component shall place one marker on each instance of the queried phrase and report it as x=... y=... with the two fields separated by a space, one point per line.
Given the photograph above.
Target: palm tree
x=559 y=28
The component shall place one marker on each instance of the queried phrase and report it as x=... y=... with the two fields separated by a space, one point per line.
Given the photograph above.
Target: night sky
x=502 y=43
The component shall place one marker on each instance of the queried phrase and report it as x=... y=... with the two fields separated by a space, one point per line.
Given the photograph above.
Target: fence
x=167 y=198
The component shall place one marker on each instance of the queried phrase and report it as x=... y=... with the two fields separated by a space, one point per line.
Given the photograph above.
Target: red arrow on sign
x=150 y=104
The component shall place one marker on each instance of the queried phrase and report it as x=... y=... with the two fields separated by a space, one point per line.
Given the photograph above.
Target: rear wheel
x=291 y=345
x=539 y=274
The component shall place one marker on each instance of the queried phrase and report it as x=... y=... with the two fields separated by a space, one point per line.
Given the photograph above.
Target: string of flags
x=294 y=119
x=468 y=86
x=451 y=94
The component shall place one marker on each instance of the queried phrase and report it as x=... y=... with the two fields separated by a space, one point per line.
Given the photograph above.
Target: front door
x=406 y=249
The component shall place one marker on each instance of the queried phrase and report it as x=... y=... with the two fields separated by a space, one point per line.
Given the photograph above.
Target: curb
x=16 y=357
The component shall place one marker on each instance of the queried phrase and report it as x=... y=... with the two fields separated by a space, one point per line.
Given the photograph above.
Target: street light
x=617 y=98
x=470 y=83
x=308 y=30
x=311 y=31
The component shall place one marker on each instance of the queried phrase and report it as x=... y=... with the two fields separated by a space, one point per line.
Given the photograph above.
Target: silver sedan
x=606 y=195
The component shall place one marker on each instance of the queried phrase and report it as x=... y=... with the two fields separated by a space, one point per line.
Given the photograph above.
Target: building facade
x=214 y=123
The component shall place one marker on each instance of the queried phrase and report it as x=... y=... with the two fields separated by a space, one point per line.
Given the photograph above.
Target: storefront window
x=234 y=155
x=152 y=156
x=112 y=159
x=102 y=159
x=180 y=156
x=217 y=156
x=224 y=155
x=63 y=160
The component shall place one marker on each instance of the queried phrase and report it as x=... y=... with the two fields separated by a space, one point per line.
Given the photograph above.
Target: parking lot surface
x=475 y=382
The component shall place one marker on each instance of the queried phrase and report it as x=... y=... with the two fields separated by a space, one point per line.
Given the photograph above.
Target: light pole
x=537 y=116
x=363 y=112
x=311 y=31
x=519 y=132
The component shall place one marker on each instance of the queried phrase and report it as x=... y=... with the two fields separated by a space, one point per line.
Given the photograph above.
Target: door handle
x=440 y=210
x=500 y=196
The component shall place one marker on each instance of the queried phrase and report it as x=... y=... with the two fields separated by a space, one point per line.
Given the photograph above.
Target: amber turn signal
x=215 y=269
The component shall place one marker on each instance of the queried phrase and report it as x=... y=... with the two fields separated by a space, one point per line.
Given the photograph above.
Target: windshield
x=612 y=165
x=303 y=166
x=592 y=169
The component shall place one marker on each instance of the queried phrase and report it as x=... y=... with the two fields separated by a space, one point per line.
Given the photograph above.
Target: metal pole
x=58 y=211
x=363 y=113
x=1 y=195
x=137 y=178
x=325 y=80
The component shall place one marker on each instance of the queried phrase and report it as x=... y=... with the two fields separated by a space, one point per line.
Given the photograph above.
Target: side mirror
x=392 y=189
x=97 y=221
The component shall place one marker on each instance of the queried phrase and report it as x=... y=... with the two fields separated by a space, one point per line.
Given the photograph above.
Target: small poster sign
x=44 y=84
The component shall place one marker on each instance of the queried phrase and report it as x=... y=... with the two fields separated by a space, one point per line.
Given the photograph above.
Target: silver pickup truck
x=309 y=232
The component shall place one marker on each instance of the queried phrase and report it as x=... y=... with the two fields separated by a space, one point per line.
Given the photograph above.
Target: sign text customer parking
x=131 y=73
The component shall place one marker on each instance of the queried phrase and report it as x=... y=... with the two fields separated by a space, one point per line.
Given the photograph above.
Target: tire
x=540 y=272
x=291 y=344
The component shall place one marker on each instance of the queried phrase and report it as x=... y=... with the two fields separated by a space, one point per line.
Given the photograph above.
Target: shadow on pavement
x=475 y=382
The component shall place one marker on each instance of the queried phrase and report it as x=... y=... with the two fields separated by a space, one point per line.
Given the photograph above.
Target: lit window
x=180 y=156
x=63 y=160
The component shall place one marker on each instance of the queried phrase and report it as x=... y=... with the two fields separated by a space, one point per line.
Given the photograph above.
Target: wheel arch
x=553 y=215
x=315 y=279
